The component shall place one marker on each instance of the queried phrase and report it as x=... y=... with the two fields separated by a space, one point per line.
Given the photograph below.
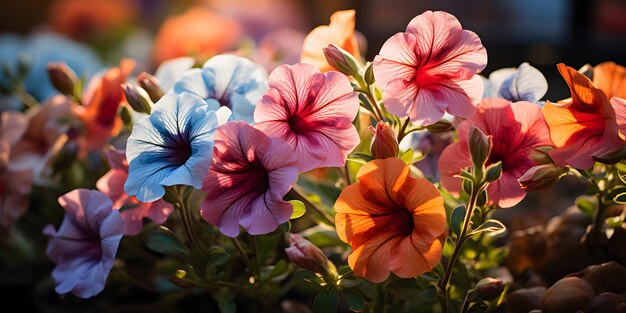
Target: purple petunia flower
x=85 y=245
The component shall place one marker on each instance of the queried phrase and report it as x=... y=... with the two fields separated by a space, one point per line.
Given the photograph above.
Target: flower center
x=179 y=150
x=297 y=124
x=405 y=221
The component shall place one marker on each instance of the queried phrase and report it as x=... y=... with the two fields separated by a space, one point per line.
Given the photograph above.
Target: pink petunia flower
x=85 y=245
x=516 y=129
x=431 y=69
x=133 y=211
x=249 y=176
x=312 y=112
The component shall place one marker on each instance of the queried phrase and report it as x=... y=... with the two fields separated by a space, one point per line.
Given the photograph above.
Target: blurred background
x=537 y=31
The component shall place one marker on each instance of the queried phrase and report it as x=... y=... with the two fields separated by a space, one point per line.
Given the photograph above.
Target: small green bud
x=342 y=61
x=137 y=98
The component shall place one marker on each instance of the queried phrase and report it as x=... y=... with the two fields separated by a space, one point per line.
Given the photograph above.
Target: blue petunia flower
x=171 y=146
x=227 y=80
x=524 y=83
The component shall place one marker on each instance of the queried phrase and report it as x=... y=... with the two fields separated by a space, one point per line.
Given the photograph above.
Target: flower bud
x=137 y=98
x=62 y=77
x=541 y=154
x=540 y=177
x=479 y=147
x=151 y=85
x=306 y=255
x=486 y=289
x=440 y=126
x=384 y=143
x=342 y=61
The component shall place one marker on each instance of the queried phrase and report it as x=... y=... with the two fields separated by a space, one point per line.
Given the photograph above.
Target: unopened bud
x=63 y=78
x=440 y=126
x=493 y=172
x=611 y=157
x=486 y=289
x=137 y=98
x=540 y=177
x=306 y=255
x=480 y=148
x=384 y=143
x=151 y=85
x=541 y=154
x=342 y=60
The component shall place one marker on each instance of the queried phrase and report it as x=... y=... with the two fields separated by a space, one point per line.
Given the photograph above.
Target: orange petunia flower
x=81 y=19
x=197 y=32
x=391 y=220
x=102 y=100
x=610 y=78
x=583 y=126
x=340 y=31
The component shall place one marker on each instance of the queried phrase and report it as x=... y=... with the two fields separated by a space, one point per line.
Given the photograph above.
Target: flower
x=430 y=69
x=15 y=185
x=249 y=176
x=583 y=126
x=312 y=112
x=340 y=31
x=281 y=46
x=170 y=71
x=198 y=31
x=515 y=128
x=227 y=80
x=133 y=211
x=610 y=78
x=44 y=137
x=384 y=142
x=88 y=18
x=102 y=99
x=391 y=220
x=524 y=83
x=306 y=255
x=171 y=146
x=85 y=245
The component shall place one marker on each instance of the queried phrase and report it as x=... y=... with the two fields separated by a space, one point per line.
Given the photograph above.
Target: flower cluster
x=377 y=179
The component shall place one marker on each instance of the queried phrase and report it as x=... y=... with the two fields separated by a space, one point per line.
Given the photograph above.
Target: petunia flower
x=102 y=99
x=44 y=136
x=391 y=220
x=340 y=31
x=171 y=146
x=584 y=125
x=84 y=247
x=312 y=112
x=281 y=46
x=133 y=211
x=515 y=128
x=524 y=83
x=15 y=185
x=170 y=71
x=249 y=176
x=431 y=69
x=227 y=80
x=610 y=78
x=196 y=32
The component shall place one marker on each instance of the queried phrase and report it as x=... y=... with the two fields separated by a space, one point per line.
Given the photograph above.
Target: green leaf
x=481 y=201
x=344 y=271
x=298 y=209
x=491 y=226
x=620 y=198
x=586 y=204
x=326 y=301
x=448 y=248
x=429 y=293
x=362 y=156
x=348 y=283
x=354 y=300
x=407 y=156
x=456 y=219
x=163 y=241
x=369 y=74
x=406 y=289
x=217 y=256
x=279 y=269
x=309 y=276
x=225 y=301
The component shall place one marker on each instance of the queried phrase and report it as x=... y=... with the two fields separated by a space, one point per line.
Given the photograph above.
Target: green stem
x=466 y=304
x=244 y=256
x=181 y=203
x=298 y=194
x=347 y=173
x=460 y=240
x=402 y=133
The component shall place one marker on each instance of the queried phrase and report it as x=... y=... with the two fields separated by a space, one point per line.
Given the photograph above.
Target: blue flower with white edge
x=227 y=80
x=524 y=83
x=171 y=146
x=170 y=71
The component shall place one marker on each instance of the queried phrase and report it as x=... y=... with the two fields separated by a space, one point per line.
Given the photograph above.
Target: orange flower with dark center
x=391 y=220
x=610 y=78
x=583 y=126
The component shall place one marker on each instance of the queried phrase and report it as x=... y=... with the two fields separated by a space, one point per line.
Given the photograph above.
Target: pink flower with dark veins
x=312 y=112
